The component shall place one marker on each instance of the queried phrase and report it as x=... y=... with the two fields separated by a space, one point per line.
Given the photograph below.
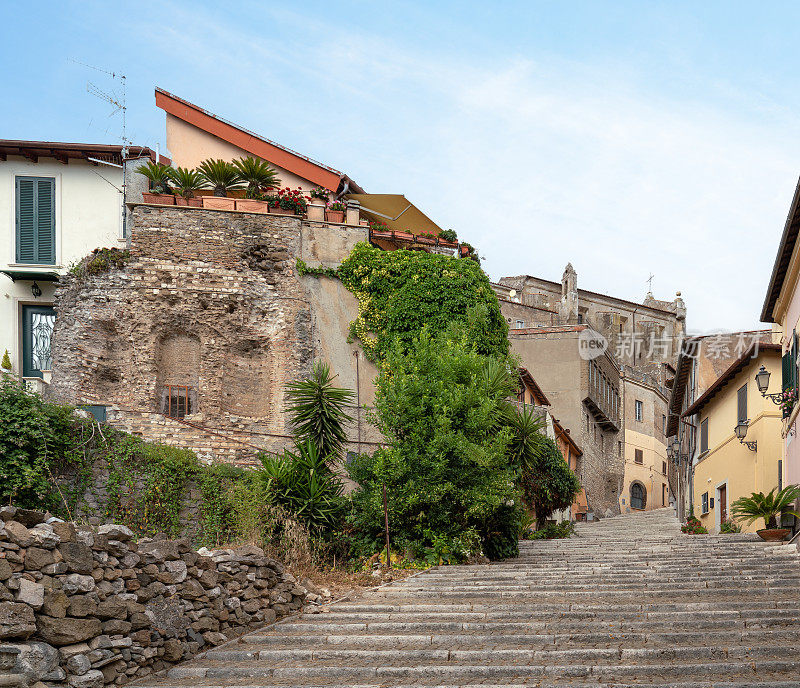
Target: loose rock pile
x=85 y=608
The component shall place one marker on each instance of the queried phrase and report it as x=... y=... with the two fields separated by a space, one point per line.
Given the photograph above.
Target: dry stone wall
x=87 y=607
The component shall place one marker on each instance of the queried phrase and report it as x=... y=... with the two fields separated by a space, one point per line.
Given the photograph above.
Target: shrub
x=444 y=466
x=33 y=435
x=548 y=484
x=401 y=291
x=448 y=235
x=5 y=364
x=302 y=483
x=729 y=527
x=552 y=531
x=694 y=527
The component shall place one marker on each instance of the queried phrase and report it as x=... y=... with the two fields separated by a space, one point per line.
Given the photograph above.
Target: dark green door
x=37 y=333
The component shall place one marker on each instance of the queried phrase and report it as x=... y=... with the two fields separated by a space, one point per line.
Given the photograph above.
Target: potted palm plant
x=186 y=183
x=260 y=177
x=769 y=507
x=159 y=177
x=221 y=176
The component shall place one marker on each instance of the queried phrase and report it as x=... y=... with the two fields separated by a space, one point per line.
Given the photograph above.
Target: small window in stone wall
x=638 y=456
x=177 y=401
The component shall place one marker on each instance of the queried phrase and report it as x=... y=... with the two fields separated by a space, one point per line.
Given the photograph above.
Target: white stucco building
x=58 y=202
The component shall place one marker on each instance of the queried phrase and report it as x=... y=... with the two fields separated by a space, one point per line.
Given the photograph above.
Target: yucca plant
x=187 y=181
x=157 y=174
x=318 y=411
x=222 y=176
x=301 y=482
x=259 y=175
x=767 y=506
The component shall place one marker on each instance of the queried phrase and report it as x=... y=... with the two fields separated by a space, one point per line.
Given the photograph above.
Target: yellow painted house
x=726 y=466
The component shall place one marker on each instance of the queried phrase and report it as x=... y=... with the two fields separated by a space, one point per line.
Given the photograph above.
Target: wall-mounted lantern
x=741 y=433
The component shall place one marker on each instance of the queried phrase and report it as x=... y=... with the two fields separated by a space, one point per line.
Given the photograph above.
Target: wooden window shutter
x=741 y=403
x=35 y=211
x=704 y=435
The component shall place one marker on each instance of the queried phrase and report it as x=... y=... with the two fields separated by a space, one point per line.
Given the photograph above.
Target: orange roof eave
x=241 y=138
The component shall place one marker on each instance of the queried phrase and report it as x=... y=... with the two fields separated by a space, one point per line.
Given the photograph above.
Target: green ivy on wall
x=400 y=291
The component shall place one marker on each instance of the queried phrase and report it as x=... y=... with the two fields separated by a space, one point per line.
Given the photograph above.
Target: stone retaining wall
x=85 y=608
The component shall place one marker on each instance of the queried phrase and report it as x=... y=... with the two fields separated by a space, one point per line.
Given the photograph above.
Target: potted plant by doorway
x=186 y=183
x=221 y=176
x=769 y=507
x=158 y=176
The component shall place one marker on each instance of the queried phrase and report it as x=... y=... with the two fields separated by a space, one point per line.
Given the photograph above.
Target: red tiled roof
x=301 y=165
x=735 y=368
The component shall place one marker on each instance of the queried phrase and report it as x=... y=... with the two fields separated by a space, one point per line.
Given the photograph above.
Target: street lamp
x=762 y=382
x=741 y=433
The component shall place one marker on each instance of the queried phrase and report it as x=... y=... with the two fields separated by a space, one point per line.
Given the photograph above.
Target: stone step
x=523 y=626
x=780 y=636
x=470 y=674
x=358 y=607
x=498 y=656
x=543 y=683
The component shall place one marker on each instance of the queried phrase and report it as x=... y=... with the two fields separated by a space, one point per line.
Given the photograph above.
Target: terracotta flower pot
x=160 y=199
x=195 y=202
x=180 y=200
x=280 y=211
x=406 y=236
x=773 y=534
x=218 y=203
x=335 y=216
x=250 y=205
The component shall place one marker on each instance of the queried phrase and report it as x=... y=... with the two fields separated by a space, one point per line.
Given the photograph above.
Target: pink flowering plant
x=336 y=205
x=321 y=192
x=788 y=399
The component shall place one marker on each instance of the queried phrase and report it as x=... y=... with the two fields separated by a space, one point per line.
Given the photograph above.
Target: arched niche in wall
x=178 y=374
x=250 y=384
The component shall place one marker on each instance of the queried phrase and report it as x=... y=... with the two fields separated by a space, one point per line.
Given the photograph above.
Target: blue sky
x=625 y=137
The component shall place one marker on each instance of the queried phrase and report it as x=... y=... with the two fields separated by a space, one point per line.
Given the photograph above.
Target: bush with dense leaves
x=548 y=484
x=445 y=465
x=33 y=435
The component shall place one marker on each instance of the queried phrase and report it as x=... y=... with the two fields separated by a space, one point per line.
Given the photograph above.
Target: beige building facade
x=726 y=467
x=646 y=484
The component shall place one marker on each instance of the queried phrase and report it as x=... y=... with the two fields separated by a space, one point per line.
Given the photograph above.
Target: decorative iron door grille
x=37 y=333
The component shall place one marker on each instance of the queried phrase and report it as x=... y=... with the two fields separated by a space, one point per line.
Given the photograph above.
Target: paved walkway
x=630 y=601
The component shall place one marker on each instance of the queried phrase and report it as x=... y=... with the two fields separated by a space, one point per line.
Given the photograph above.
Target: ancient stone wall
x=85 y=608
x=209 y=317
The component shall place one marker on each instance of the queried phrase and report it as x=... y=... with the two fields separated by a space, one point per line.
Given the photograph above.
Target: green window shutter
x=26 y=220
x=786 y=371
x=36 y=220
x=45 y=221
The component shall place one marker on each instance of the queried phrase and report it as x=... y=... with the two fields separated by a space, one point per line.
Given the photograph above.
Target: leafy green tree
x=318 y=411
x=445 y=465
x=547 y=482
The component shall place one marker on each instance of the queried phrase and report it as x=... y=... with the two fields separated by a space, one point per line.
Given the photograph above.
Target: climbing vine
x=400 y=291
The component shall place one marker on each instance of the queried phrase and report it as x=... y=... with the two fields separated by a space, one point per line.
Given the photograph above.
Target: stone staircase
x=629 y=601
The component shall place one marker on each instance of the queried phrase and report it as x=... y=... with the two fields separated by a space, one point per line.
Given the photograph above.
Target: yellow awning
x=396 y=212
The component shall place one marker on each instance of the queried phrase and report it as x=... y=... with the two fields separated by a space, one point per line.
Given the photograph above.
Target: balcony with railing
x=602 y=397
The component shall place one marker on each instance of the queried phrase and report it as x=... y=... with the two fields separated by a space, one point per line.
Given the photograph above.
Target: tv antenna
x=118 y=102
x=649 y=281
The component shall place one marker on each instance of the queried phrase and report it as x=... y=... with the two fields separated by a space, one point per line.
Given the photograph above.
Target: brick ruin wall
x=91 y=607
x=210 y=301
